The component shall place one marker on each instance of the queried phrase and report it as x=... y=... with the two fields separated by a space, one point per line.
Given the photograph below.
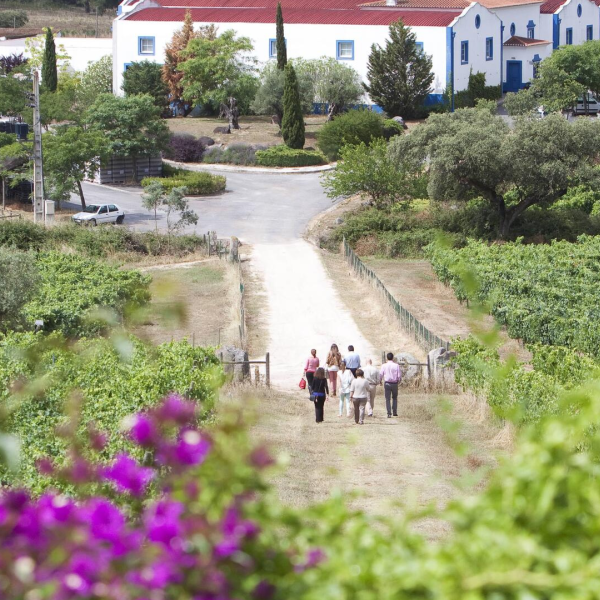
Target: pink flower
x=163 y=522
x=175 y=408
x=128 y=475
x=143 y=431
x=192 y=448
x=261 y=458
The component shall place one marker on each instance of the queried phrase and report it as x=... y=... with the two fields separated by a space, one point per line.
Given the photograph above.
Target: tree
x=13 y=93
x=174 y=203
x=172 y=74
x=268 y=99
x=399 y=75
x=152 y=199
x=20 y=280
x=61 y=104
x=49 y=69
x=334 y=84
x=145 y=77
x=11 y=62
x=280 y=40
x=214 y=67
x=72 y=154
x=292 y=124
x=132 y=125
x=372 y=173
x=473 y=153
x=95 y=80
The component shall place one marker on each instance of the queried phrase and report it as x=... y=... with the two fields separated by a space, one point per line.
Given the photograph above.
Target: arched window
x=477 y=22
x=579 y=10
x=513 y=29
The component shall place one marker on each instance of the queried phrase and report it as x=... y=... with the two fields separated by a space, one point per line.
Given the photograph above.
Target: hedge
x=282 y=156
x=197 y=183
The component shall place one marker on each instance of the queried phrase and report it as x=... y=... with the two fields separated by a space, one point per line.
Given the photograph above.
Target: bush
x=13 y=18
x=184 y=147
x=580 y=198
x=20 y=279
x=197 y=183
x=391 y=129
x=282 y=156
x=22 y=234
x=349 y=129
x=236 y=154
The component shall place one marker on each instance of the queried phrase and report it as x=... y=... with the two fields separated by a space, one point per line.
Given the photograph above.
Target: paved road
x=256 y=207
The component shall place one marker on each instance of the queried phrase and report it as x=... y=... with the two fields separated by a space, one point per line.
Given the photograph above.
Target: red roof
x=440 y=4
x=517 y=40
x=551 y=6
x=411 y=18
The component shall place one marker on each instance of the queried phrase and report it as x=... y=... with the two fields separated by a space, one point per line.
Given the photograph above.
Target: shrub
x=22 y=234
x=282 y=156
x=184 y=147
x=13 y=18
x=391 y=129
x=236 y=154
x=580 y=198
x=197 y=183
x=349 y=129
x=20 y=280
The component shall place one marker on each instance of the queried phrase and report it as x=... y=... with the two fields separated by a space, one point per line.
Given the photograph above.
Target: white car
x=95 y=214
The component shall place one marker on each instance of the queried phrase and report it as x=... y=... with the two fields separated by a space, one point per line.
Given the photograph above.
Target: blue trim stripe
x=555 y=32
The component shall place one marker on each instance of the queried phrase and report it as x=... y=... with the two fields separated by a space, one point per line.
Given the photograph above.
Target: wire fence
x=423 y=336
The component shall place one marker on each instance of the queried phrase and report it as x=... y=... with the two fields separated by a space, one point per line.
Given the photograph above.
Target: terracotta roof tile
x=503 y=3
x=551 y=6
x=411 y=18
x=524 y=42
x=441 y=4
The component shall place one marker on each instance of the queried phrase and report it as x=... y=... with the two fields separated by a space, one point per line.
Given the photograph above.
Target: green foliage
x=235 y=154
x=523 y=102
x=476 y=90
x=350 y=129
x=95 y=80
x=13 y=18
x=292 y=124
x=391 y=129
x=114 y=378
x=283 y=156
x=370 y=172
x=49 y=69
x=268 y=99
x=13 y=92
x=74 y=290
x=581 y=198
x=213 y=67
x=72 y=154
x=472 y=153
x=172 y=202
x=19 y=277
x=61 y=105
x=132 y=125
x=145 y=77
x=400 y=74
x=543 y=293
x=280 y=39
x=197 y=183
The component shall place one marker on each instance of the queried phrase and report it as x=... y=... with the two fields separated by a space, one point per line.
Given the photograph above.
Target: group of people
x=357 y=385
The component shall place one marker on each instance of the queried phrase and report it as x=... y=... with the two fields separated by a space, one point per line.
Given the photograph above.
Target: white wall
x=465 y=30
x=303 y=41
x=520 y=16
x=568 y=15
x=80 y=50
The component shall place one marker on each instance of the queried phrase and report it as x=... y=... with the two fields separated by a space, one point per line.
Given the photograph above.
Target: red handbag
x=302 y=384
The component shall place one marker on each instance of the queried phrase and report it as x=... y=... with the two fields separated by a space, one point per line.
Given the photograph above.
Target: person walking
x=345 y=378
x=352 y=360
x=312 y=364
x=359 y=392
x=372 y=376
x=334 y=358
x=320 y=393
x=390 y=376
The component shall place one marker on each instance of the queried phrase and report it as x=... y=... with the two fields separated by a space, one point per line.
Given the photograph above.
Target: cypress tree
x=292 y=124
x=280 y=40
x=49 y=70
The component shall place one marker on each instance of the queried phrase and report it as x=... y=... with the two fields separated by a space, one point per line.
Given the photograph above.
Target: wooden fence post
x=268 y=369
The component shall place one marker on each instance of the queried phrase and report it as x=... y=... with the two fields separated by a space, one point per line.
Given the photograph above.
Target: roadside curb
x=236 y=169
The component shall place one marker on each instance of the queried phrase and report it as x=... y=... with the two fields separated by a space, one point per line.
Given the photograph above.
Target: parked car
x=95 y=214
x=593 y=106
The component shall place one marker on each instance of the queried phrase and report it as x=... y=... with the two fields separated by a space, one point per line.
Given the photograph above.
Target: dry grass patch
x=254 y=129
x=256 y=301
x=194 y=301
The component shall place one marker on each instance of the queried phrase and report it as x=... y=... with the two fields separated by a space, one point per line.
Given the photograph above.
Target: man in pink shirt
x=391 y=376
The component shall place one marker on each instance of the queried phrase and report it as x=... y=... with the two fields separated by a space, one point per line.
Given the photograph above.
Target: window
x=477 y=22
x=464 y=53
x=272 y=48
x=112 y=208
x=420 y=47
x=345 y=50
x=146 y=45
x=489 y=48
x=513 y=29
x=569 y=36
x=530 y=32
x=103 y=210
x=126 y=66
x=589 y=32
x=579 y=10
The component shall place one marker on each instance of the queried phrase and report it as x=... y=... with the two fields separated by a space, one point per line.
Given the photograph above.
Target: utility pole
x=39 y=212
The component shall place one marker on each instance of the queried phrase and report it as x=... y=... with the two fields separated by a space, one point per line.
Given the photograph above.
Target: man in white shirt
x=391 y=376
x=372 y=377
x=352 y=360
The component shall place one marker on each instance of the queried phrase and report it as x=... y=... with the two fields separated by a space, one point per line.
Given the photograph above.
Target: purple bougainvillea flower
x=226 y=548
x=106 y=521
x=192 y=448
x=143 y=432
x=128 y=475
x=234 y=525
x=175 y=408
x=263 y=590
x=163 y=522
x=155 y=576
x=261 y=458
x=81 y=471
x=45 y=466
x=54 y=509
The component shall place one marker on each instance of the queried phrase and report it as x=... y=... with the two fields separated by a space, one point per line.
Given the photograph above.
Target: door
x=514 y=72
x=103 y=215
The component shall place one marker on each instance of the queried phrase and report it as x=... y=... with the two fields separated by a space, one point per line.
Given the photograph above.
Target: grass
x=254 y=129
x=70 y=21
x=193 y=301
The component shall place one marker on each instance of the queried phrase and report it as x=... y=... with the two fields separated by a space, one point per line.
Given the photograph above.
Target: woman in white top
x=345 y=379
x=359 y=392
